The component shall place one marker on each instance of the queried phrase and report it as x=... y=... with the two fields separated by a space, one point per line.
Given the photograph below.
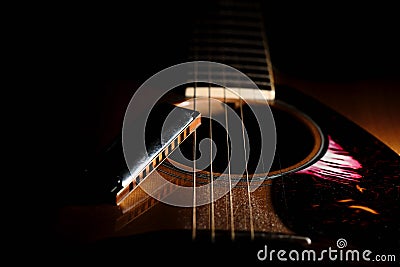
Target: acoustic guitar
x=330 y=184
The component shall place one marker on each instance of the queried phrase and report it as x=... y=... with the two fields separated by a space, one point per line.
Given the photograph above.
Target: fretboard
x=233 y=34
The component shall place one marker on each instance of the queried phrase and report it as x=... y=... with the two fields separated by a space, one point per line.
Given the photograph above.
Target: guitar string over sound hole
x=229 y=123
x=299 y=140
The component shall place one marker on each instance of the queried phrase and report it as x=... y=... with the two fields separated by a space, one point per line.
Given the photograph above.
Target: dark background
x=84 y=63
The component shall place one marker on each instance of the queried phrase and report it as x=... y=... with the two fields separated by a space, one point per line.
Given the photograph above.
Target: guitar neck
x=234 y=34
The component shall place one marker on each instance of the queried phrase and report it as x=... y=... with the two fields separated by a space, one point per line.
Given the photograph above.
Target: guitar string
x=250 y=204
x=269 y=71
x=272 y=85
x=194 y=220
x=282 y=180
x=232 y=224
x=246 y=166
x=212 y=212
x=231 y=215
x=211 y=159
x=246 y=169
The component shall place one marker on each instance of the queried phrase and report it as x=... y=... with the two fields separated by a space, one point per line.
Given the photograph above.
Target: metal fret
x=226 y=41
x=239 y=14
x=231 y=50
x=247 y=67
x=227 y=75
x=227 y=32
x=235 y=23
x=235 y=58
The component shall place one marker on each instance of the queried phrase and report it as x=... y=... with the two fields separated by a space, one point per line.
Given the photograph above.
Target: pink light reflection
x=336 y=165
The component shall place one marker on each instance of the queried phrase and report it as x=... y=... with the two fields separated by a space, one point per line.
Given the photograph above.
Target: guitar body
x=329 y=180
x=350 y=191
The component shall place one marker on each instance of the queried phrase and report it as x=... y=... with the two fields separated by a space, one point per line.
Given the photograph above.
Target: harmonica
x=109 y=179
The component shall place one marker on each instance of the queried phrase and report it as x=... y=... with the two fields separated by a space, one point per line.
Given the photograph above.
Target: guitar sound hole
x=298 y=140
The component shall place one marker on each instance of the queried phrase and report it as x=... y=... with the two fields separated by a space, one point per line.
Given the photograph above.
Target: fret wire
x=228 y=18
x=216 y=56
x=226 y=41
x=239 y=14
x=237 y=58
x=235 y=50
x=244 y=67
x=216 y=74
x=226 y=31
x=230 y=22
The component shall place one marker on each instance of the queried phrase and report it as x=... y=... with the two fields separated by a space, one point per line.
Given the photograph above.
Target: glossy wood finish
x=372 y=103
